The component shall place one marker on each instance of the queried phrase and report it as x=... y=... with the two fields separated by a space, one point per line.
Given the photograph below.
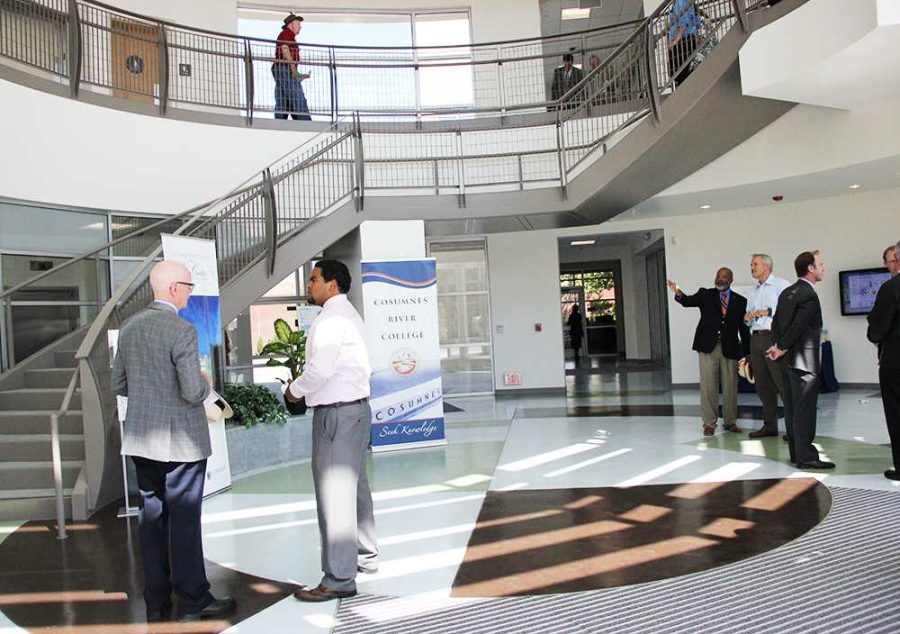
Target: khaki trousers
x=716 y=369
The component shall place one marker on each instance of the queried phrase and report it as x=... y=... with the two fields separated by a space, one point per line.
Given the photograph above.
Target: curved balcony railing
x=98 y=48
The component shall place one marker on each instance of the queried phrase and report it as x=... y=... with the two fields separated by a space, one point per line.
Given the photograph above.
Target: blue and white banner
x=401 y=315
x=199 y=256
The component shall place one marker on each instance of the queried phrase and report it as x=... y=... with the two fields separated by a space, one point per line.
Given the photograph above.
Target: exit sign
x=512 y=378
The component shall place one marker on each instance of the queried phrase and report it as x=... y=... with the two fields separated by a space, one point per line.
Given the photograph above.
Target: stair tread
x=31 y=494
x=35 y=390
x=36 y=412
x=35 y=464
x=20 y=437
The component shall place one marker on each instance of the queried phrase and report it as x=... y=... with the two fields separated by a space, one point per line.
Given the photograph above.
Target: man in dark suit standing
x=167 y=436
x=797 y=332
x=884 y=330
x=721 y=339
x=565 y=78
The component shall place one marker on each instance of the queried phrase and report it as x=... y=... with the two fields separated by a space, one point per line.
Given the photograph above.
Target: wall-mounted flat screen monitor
x=859 y=288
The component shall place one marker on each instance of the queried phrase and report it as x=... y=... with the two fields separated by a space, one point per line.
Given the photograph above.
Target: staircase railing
x=246 y=225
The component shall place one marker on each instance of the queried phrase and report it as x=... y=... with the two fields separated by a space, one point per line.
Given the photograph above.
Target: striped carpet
x=842 y=576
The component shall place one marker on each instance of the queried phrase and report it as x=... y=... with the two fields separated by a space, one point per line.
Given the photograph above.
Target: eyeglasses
x=190 y=285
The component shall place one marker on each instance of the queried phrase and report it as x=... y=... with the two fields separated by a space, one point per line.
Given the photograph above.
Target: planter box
x=254 y=448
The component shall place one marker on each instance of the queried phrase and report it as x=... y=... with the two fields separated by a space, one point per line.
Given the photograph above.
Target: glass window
x=463 y=317
x=362 y=80
x=285 y=288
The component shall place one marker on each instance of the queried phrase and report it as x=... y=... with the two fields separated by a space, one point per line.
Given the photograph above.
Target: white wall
x=212 y=15
x=850 y=230
x=524 y=285
x=60 y=151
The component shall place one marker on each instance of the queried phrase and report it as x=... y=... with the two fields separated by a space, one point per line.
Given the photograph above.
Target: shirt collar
x=165 y=303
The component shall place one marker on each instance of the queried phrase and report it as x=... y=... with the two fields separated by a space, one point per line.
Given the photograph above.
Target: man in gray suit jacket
x=157 y=367
x=797 y=331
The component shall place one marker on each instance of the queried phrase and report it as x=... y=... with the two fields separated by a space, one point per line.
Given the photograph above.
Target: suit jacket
x=713 y=327
x=884 y=324
x=158 y=368
x=561 y=85
x=797 y=326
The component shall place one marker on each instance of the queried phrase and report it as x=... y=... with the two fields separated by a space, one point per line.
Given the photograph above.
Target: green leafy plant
x=254 y=404
x=287 y=350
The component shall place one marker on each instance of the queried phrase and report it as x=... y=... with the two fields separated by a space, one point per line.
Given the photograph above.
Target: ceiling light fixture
x=576 y=14
x=705 y=206
x=855 y=186
x=581 y=243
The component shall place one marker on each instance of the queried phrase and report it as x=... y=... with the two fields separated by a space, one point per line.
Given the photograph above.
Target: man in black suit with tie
x=884 y=330
x=797 y=332
x=721 y=339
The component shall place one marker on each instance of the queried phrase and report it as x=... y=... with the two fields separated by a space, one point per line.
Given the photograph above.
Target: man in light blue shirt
x=761 y=304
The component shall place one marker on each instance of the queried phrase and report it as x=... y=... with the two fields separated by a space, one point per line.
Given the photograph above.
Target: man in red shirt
x=289 y=97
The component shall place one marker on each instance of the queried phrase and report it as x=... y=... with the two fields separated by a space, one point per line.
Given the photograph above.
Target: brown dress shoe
x=320 y=593
x=732 y=427
x=709 y=431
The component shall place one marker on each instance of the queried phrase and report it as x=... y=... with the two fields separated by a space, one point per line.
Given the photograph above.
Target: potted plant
x=254 y=404
x=287 y=350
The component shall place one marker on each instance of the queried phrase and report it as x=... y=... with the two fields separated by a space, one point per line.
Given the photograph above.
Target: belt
x=761 y=332
x=364 y=399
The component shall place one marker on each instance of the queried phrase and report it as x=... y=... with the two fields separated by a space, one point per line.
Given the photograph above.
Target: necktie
x=724 y=295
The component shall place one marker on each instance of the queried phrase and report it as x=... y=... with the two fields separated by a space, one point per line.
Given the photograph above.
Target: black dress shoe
x=785 y=438
x=892 y=474
x=763 y=431
x=218 y=607
x=320 y=593
x=815 y=464
x=160 y=615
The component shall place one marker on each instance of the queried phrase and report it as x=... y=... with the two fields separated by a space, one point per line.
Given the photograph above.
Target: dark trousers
x=767 y=377
x=680 y=56
x=801 y=395
x=890 y=397
x=170 y=534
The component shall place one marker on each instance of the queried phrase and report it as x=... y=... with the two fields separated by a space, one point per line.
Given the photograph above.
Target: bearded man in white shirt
x=761 y=305
x=335 y=383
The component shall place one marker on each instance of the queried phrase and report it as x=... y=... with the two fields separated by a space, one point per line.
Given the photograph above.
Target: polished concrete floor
x=583 y=495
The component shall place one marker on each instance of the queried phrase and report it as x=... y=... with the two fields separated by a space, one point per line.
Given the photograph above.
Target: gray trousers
x=716 y=369
x=768 y=376
x=341 y=436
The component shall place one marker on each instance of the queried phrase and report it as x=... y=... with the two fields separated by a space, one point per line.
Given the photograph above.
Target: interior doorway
x=595 y=289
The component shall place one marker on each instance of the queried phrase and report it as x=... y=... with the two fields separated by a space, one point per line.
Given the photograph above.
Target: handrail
x=211 y=52
x=56 y=453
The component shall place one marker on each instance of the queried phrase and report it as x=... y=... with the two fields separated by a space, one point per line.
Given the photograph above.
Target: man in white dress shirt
x=761 y=305
x=335 y=383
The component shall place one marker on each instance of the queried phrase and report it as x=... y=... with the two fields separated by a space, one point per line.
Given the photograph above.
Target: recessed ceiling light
x=581 y=243
x=855 y=186
x=576 y=14
x=705 y=206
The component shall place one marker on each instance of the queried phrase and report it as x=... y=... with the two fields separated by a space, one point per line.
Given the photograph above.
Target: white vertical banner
x=199 y=256
x=401 y=316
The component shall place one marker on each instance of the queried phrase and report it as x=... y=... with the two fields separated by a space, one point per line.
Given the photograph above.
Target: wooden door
x=134 y=59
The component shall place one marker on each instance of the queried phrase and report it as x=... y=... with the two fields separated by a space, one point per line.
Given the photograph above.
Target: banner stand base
x=409 y=445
